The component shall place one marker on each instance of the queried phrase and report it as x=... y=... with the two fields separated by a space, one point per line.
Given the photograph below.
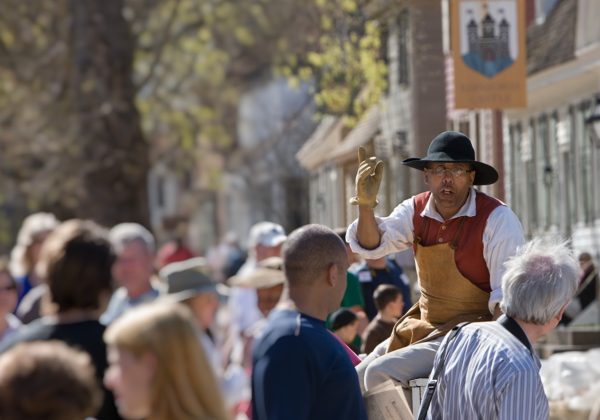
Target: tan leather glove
x=368 y=179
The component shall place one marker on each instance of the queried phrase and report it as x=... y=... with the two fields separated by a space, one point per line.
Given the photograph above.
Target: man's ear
x=472 y=175
x=562 y=311
x=426 y=177
x=332 y=275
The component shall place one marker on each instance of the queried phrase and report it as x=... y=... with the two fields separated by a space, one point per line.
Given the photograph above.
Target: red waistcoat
x=469 y=237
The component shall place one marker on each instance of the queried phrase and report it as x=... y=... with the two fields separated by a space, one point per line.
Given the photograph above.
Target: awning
x=365 y=130
x=319 y=147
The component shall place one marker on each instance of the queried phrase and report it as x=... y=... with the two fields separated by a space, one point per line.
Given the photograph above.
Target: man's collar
x=150 y=294
x=468 y=209
x=515 y=329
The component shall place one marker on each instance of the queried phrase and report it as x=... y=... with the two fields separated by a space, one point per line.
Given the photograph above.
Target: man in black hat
x=460 y=237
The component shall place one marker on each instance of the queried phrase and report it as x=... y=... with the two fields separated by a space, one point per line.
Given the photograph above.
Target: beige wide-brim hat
x=268 y=273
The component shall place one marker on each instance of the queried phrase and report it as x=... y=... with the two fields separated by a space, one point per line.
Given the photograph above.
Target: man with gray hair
x=300 y=370
x=489 y=370
x=133 y=270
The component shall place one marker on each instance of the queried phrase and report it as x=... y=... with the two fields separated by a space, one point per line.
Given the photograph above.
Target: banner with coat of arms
x=488 y=50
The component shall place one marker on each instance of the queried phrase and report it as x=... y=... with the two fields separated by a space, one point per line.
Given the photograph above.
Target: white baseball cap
x=267 y=234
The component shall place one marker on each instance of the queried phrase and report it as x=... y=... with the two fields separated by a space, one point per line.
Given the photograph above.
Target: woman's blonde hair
x=184 y=386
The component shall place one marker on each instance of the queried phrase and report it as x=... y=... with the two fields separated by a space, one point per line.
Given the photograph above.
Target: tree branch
x=161 y=46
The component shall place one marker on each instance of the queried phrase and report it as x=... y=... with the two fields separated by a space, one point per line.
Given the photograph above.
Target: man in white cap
x=266 y=239
x=267 y=281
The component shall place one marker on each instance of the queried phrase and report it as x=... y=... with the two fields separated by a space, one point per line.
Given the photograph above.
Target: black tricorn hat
x=452 y=146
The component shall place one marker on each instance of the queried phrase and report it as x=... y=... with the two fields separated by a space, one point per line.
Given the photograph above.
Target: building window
x=543 y=9
x=400 y=143
x=551 y=171
x=532 y=184
x=403 y=39
x=515 y=168
x=464 y=127
x=295 y=189
x=569 y=201
x=584 y=154
x=595 y=161
x=570 y=169
x=544 y=170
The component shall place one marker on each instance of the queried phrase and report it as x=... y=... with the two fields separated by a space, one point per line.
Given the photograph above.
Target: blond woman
x=158 y=369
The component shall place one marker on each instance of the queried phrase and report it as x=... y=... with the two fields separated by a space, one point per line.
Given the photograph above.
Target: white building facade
x=552 y=157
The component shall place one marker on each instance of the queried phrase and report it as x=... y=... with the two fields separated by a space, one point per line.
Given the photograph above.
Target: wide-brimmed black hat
x=452 y=146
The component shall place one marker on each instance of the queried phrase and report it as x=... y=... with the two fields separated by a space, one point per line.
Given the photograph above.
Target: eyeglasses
x=455 y=172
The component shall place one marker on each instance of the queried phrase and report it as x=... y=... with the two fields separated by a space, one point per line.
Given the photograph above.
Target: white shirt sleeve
x=396 y=232
x=502 y=236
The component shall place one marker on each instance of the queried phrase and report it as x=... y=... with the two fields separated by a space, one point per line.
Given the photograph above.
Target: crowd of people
x=100 y=323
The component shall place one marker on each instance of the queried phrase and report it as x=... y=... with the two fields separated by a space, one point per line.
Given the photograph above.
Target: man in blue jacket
x=300 y=370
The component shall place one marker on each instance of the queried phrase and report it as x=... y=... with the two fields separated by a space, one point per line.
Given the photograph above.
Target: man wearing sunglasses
x=461 y=238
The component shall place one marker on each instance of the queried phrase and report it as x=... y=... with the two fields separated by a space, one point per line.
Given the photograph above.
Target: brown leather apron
x=447 y=297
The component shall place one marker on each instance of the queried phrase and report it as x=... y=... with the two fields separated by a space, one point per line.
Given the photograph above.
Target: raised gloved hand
x=368 y=179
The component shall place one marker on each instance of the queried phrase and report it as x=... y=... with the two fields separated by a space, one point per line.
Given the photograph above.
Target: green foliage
x=209 y=53
x=345 y=63
x=193 y=62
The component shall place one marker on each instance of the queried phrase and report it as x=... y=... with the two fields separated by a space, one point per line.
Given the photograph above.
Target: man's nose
x=447 y=176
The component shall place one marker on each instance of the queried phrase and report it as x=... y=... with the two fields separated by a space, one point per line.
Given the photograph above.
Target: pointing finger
x=361 y=154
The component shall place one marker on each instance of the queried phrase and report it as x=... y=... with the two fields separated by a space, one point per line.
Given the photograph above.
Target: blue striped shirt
x=489 y=374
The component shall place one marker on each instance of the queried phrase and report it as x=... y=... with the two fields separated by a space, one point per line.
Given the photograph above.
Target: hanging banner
x=488 y=50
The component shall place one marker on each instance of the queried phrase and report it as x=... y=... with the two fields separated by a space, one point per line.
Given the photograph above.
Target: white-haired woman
x=24 y=256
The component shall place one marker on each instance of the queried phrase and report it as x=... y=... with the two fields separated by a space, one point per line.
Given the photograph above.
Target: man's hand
x=368 y=179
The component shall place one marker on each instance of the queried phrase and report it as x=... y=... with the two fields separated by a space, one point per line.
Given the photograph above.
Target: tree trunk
x=113 y=153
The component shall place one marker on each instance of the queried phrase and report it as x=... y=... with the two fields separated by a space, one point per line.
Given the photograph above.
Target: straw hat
x=268 y=273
